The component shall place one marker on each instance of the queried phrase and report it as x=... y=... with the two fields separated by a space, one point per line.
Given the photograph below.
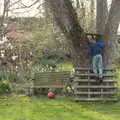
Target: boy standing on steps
x=95 y=51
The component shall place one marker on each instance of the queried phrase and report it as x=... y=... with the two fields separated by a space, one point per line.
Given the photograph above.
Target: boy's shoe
x=97 y=79
x=100 y=80
x=91 y=71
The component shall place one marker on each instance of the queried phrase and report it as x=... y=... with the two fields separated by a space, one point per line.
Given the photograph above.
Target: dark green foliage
x=48 y=62
x=4 y=87
x=7 y=76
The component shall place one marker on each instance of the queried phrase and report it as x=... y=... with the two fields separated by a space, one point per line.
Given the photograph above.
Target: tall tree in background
x=102 y=14
x=92 y=26
x=4 y=17
x=66 y=18
x=77 y=3
x=110 y=32
x=107 y=25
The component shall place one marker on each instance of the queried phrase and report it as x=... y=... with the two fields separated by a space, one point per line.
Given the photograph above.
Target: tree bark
x=111 y=28
x=102 y=14
x=77 y=3
x=92 y=25
x=4 y=17
x=66 y=18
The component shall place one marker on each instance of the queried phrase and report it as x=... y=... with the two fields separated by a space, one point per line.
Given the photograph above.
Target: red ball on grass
x=51 y=95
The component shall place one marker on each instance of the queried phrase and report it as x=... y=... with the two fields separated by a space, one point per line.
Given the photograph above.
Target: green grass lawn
x=20 y=107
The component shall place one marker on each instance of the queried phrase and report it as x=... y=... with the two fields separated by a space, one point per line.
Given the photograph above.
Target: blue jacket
x=94 y=49
x=101 y=44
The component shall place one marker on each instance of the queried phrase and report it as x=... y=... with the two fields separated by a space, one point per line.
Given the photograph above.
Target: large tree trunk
x=110 y=32
x=92 y=25
x=4 y=17
x=66 y=18
x=102 y=14
x=77 y=3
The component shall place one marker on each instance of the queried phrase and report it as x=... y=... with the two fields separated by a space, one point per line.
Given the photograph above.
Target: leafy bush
x=4 y=87
x=18 y=90
x=65 y=66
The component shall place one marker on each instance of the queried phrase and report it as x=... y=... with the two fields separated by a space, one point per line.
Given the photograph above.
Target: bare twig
x=42 y=4
x=14 y=3
x=25 y=6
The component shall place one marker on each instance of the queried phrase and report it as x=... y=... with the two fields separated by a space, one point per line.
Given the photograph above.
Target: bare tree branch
x=42 y=4
x=25 y=6
x=111 y=30
x=14 y=3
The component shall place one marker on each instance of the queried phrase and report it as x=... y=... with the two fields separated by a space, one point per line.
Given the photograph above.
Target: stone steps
x=87 y=88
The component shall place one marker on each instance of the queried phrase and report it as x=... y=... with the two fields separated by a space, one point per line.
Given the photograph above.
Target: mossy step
x=88 y=69
x=92 y=75
x=95 y=93
x=95 y=99
x=96 y=86
x=93 y=80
